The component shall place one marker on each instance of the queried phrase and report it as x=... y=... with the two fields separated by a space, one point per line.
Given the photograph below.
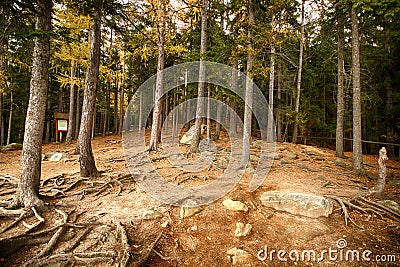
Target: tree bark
x=28 y=190
x=249 y=91
x=156 y=124
x=77 y=118
x=86 y=159
x=299 y=74
x=340 y=85
x=1 y=119
x=270 y=127
x=71 y=121
x=10 y=117
x=232 y=117
x=200 y=90
x=121 y=110
x=379 y=187
x=279 y=109
x=357 y=133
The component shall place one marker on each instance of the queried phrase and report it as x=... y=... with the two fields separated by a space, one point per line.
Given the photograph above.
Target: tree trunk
x=87 y=162
x=48 y=123
x=121 y=110
x=155 y=129
x=249 y=92
x=28 y=190
x=340 y=85
x=1 y=119
x=218 y=124
x=2 y=88
x=299 y=72
x=116 y=107
x=71 y=121
x=77 y=118
x=232 y=113
x=279 y=109
x=200 y=90
x=357 y=133
x=209 y=112
x=270 y=128
x=106 y=112
x=379 y=187
x=10 y=116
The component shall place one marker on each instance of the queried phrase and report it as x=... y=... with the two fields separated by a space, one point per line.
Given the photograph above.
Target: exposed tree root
x=125 y=245
x=85 y=258
x=142 y=261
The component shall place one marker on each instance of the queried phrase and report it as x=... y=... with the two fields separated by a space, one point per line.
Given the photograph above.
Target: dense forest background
x=129 y=56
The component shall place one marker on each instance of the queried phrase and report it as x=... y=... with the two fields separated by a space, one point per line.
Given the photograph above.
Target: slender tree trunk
x=270 y=128
x=299 y=74
x=106 y=113
x=60 y=99
x=28 y=190
x=200 y=90
x=2 y=88
x=1 y=119
x=87 y=162
x=340 y=85
x=71 y=121
x=357 y=133
x=218 y=125
x=155 y=129
x=116 y=107
x=279 y=109
x=209 y=112
x=232 y=115
x=77 y=118
x=121 y=110
x=10 y=116
x=249 y=91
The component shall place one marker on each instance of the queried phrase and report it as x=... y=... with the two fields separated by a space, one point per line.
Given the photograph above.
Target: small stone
x=164 y=224
x=56 y=156
x=193 y=228
x=278 y=156
x=242 y=229
x=186 y=212
x=239 y=256
x=235 y=205
x=292 y=155
x=151 y=214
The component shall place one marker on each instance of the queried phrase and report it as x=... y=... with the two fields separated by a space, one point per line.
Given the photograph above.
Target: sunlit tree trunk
x=200 y=90
x=157 y=111
x=28 y=190
x=357 y=133
x=71 y=118
x=86 y=159
x=270 y=129
x=299 y=74
x=279 y=109
x=340 y=85
x=249 y=91
x=10 y=117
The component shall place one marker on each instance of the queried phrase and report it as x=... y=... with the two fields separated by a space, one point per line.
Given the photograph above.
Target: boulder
x=242 y=229
x=304 y=204
x=188 y=136
x=151 y=214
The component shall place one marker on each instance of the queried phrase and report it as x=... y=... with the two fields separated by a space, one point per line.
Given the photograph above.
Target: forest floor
x=113 y=200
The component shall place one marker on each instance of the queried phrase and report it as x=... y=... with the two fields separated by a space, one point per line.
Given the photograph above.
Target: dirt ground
x=205 y=238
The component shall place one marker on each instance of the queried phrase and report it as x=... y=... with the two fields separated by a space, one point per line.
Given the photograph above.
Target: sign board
x=62 y=125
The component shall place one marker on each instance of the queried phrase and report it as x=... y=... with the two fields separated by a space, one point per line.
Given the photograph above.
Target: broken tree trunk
x=379 y=187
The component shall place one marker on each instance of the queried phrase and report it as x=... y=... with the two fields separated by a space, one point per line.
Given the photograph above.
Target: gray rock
x=240 y=256
x=235 y=205
x=242 y=229
x=304 y=204
x=10 y=147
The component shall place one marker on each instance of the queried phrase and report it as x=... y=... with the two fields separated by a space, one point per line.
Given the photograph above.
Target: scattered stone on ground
x=240 y=257
x=235 y=205
x=304 y=204
x=186 y=212
x=151 y=214
x=10 y=147
x=242 y=229
x=292 y=155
